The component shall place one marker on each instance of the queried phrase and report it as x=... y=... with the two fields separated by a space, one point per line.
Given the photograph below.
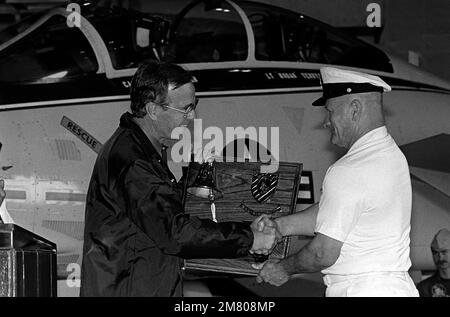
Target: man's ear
x=151 y=109
x=356 y=109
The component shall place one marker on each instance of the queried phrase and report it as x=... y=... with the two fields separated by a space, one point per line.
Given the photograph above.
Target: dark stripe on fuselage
x=85 y=87
x=237 y=81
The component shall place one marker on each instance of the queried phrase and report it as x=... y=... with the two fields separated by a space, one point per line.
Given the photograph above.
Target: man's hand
x=264 y=221
x=265 y=235
x=271 y=272
x=2 y=191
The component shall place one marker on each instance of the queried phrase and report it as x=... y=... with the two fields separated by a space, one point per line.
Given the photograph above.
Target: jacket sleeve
x=156 y=208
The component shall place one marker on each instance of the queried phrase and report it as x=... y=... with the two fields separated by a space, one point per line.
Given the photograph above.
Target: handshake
x=266 y=235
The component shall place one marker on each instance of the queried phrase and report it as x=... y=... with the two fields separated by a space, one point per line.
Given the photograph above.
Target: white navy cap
x=339 y=82
x=441 y=240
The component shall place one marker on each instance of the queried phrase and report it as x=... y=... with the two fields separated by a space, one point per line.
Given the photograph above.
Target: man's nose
x=191 y=115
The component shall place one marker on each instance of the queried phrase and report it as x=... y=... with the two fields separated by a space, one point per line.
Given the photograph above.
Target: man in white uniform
x=361 y=225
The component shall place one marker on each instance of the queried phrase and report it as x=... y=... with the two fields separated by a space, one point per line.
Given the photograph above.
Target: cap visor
x=319 y=102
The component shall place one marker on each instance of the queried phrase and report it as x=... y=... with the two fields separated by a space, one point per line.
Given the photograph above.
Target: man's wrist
x=288 y=265
x=279 y=223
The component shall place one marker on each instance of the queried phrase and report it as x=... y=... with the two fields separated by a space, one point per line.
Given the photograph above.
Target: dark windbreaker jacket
x=136 y=232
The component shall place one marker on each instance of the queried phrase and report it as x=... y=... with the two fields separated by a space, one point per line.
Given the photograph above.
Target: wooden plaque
x=237 y=201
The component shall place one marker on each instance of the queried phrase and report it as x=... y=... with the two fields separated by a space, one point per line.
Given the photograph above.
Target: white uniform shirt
x=366 y=204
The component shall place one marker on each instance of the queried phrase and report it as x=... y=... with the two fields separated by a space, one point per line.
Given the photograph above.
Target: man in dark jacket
x=136 y=233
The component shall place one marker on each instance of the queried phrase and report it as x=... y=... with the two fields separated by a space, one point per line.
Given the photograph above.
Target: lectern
x=27 y=263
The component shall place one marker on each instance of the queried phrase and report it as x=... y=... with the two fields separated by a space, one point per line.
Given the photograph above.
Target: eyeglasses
x=187 y=110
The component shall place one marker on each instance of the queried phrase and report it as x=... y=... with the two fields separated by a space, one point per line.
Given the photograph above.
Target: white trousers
x=379 y=284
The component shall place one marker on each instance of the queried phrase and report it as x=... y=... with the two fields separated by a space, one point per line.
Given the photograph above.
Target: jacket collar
x=127 y=122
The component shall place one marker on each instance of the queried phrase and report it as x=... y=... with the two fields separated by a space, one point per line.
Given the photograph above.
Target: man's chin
x=335 y=141
x=180 y=131
x=184 y=128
